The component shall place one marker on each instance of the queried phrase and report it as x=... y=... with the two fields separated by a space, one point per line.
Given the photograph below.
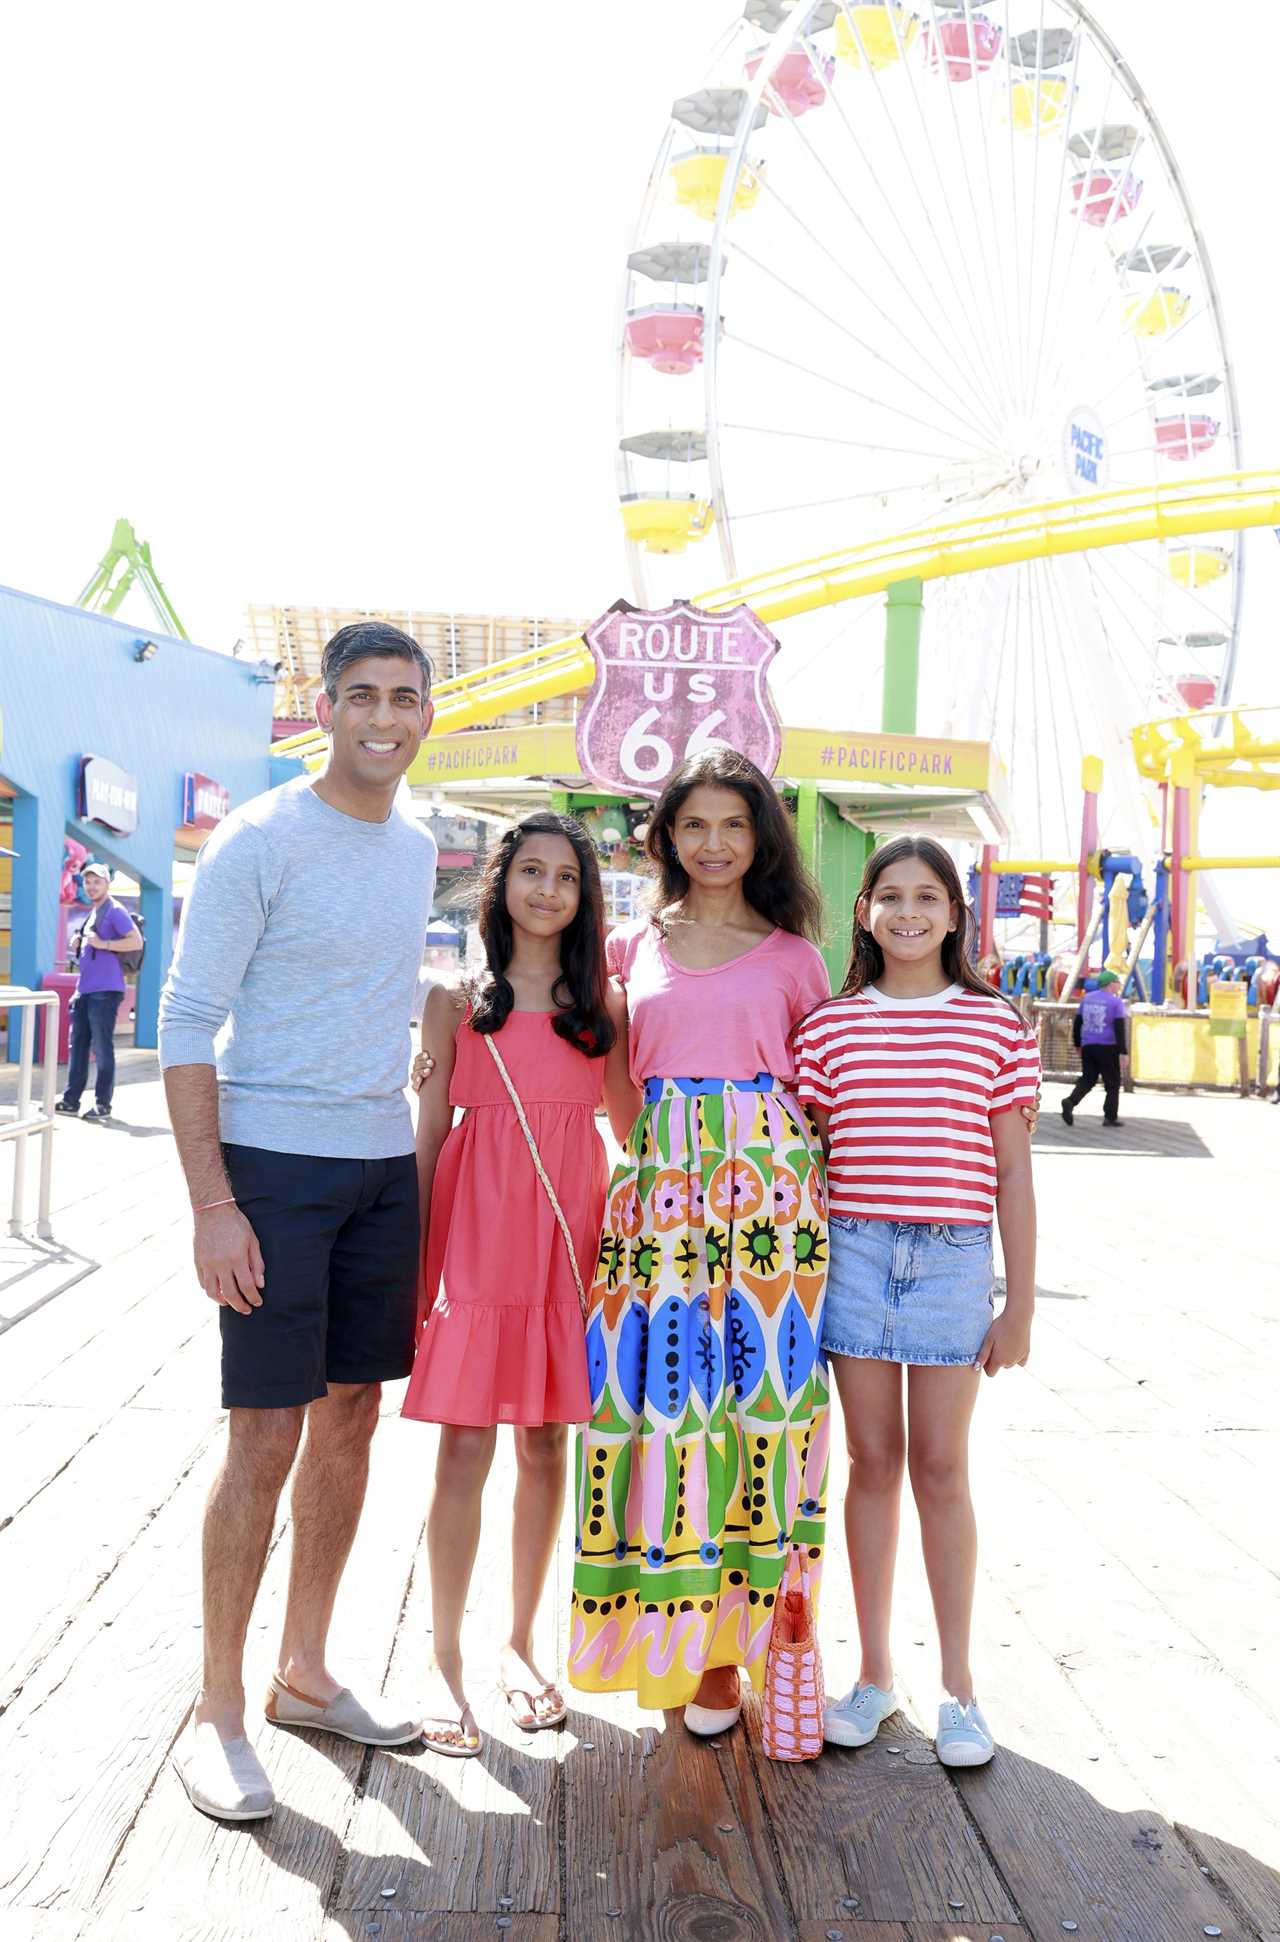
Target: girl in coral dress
x=502 y=1335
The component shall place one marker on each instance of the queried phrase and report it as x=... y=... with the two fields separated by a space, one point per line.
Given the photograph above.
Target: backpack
x=130 y=962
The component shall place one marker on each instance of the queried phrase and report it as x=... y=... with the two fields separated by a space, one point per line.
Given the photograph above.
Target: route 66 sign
x=669 y=682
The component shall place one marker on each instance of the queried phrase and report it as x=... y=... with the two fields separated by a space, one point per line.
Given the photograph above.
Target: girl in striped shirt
x=912 y=1072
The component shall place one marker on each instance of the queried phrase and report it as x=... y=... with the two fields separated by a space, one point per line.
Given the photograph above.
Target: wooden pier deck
x=1126 y=1626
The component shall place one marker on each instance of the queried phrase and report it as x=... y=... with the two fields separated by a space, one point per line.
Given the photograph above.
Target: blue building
x=131 y=743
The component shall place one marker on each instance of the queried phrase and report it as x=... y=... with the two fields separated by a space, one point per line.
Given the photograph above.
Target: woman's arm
x=1008 y=1340
x=440 y=1020
x=621 y=1094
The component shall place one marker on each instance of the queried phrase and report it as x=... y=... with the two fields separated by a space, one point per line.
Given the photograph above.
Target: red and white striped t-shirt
x=912 y=1085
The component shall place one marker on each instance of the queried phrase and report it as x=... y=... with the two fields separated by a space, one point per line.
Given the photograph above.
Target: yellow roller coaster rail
x=1226 y=748
x=1225 y=503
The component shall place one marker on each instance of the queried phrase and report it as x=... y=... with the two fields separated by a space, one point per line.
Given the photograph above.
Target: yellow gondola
x=699 y=176
x=1038 y=105
x=873 y=36
x=1152 y=316
x=666 y=522
x=1196 y=566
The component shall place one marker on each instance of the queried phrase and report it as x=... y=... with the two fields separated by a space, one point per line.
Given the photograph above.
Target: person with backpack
x=109 y=943
x=1099 y=1031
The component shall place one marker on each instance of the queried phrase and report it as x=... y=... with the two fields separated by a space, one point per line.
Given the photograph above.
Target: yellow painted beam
x=1231 y=862
x=1035 y=867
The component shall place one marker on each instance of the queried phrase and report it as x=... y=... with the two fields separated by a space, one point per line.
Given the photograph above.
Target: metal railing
x=39 y=1121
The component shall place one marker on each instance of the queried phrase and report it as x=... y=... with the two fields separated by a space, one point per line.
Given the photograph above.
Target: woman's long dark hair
x=866 y=963
x=777 y=884
x=582 y=1017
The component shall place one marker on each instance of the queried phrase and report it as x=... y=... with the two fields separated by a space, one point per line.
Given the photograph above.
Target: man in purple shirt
x=106 y=933
x=1101 y=1031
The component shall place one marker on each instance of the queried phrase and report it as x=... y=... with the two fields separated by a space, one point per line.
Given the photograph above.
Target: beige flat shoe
x=223 y=1778
x=343 y=1714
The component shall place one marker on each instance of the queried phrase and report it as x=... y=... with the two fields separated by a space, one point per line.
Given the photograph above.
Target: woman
x=705 y=1458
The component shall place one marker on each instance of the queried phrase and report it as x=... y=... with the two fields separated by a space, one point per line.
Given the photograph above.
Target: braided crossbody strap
x=536 y=1157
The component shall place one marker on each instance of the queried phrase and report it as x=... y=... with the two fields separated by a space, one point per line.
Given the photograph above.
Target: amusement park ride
x=927 y=279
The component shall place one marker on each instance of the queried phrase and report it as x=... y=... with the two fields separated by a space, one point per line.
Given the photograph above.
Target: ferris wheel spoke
x=844 y=330
x=1060 y=202
x=836 y=384
x=853 y=444
x=966 y=311
x=980 y=109
x=865 y=294
x=1024 y=334
x=1100 y=330
x=1124 y=596
x=1061 y=660
x=1053 y=313
x=913 y=302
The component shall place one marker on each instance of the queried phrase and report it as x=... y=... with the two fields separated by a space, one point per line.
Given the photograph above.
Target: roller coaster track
x=1227 y=502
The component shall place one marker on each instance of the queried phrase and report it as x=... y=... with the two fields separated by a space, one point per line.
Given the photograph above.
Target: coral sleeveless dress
x=503 y=1340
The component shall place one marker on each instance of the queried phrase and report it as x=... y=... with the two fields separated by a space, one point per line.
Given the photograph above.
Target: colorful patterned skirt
x=705 y=1459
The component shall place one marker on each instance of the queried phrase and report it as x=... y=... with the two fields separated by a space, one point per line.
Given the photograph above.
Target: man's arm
x=222 y=922
x=131 y=940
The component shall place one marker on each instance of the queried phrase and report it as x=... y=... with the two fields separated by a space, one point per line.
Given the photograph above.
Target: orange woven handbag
x=793 y=1689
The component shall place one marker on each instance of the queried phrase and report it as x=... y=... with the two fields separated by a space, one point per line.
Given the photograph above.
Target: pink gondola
x=1099 y=190
x=1186 y=435
x=797 y=83
x=1197 y=690
x=666 y=335
x=963 y=46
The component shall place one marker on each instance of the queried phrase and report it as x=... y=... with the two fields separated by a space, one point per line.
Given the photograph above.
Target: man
x=302 y=938
x=1100 y=1030
x=106 y=934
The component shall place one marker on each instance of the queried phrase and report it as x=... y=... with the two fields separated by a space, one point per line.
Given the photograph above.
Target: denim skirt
x=908 y=1291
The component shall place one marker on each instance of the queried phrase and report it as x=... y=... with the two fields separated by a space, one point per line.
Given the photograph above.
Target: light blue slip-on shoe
x=857 y=1718
x=964 y=1738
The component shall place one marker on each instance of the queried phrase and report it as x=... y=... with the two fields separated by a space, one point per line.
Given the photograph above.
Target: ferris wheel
x=898 y=267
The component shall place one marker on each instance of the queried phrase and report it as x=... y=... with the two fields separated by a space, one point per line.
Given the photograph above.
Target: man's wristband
x=209 y=1205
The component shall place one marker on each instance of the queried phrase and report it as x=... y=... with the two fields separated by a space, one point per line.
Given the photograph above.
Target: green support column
x=904 y=612
x=836 y=854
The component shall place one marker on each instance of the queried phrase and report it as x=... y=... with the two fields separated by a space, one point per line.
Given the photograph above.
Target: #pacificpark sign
x=668 y=683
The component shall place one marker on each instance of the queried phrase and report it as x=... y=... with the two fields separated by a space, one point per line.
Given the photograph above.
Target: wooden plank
x=177 y=1861
x=39 y=1441
x=1250 y=1884
x=854 y=1931
x=108 y=1699
x=431 y=1925
x=697 y=1856
x=457 y=1835
x=97 y=1506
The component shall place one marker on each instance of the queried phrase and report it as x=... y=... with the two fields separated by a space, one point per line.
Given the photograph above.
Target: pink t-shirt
x=729 y=1022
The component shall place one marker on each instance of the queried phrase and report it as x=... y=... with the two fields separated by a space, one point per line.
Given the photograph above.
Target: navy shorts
x=340 y=1244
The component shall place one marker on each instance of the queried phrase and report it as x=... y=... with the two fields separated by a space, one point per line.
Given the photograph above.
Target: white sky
x=321 y=293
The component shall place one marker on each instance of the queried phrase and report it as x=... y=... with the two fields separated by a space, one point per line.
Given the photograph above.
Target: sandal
x=548 y=1695
x=463 y=1745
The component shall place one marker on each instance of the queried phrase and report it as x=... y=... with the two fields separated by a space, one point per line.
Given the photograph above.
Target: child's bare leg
x=871 y=1401
x=453 y=1536
x=940 y=1405
x=539 y=1505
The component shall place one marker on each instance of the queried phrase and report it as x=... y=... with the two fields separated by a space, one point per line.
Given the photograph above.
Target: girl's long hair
x=866 y=962
x=777 y=885
x=579 y=992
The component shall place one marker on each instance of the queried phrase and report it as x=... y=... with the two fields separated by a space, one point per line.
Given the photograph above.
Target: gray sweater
x=295 y=973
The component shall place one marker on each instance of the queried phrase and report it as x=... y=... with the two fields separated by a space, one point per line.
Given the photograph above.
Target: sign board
x=204 y=802
x=667 y=684
x=1228 y=1009
x=1085 y=459
x=107 y=795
